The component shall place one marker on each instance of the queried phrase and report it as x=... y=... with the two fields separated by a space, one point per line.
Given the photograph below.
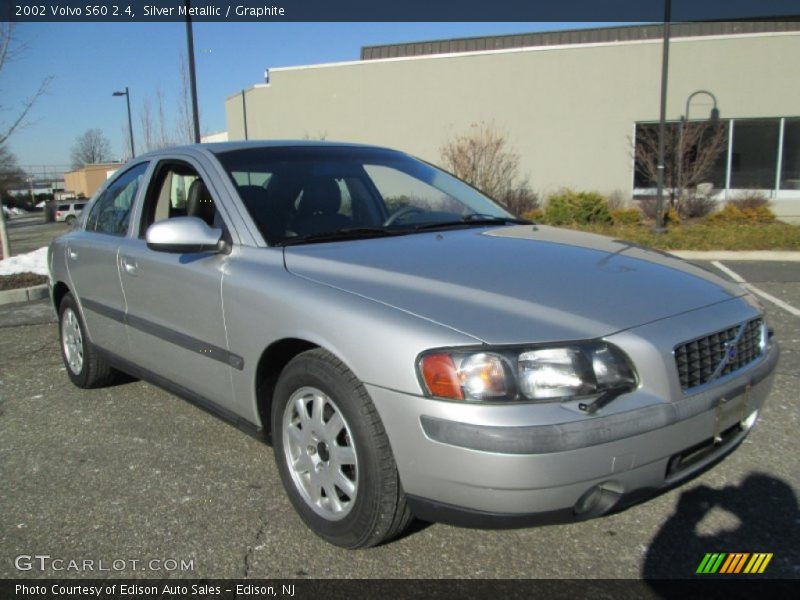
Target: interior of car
x=178 y=191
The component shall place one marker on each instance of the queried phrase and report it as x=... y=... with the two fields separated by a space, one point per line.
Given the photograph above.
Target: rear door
x=175 y=314
x=92 y=260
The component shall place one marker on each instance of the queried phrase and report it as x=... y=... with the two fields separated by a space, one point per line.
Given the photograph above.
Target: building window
x=704 y=154
x=755 y=154
x=753 y=162
x=790 y=173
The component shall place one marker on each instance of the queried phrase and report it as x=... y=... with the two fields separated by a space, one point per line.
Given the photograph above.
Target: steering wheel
x=407 y=210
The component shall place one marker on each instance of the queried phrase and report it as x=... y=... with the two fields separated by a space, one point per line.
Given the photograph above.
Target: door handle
x=72 y=254
x=130 y=266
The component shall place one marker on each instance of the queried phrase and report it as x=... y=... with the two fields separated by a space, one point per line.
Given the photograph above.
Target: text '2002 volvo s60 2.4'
x=409 y=347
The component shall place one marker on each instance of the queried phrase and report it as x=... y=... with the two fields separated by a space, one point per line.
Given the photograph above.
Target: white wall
x=569 y=110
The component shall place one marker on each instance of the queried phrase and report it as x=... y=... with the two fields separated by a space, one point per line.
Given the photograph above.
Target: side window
x=178 y=191
x=112 y=210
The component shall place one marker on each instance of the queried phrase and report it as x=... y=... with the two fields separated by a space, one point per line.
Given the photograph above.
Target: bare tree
x=90 y=148
x=8 y=51
x=690 y=152
x=321 y=135
x=11 y=175
x=164 y=137
x=126 y=142
x=483 y=158
x=146 y=124
x=185 y=118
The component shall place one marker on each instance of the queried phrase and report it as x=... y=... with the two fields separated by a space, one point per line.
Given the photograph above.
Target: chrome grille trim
x=705 y=359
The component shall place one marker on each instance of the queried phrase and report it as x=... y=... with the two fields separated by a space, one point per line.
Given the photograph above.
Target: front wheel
x=333 y=454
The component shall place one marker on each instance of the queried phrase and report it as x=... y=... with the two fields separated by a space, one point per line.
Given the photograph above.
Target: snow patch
x=32 y=262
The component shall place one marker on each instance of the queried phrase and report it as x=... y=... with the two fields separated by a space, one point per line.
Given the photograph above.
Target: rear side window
x=63 y=207
x=112 y=210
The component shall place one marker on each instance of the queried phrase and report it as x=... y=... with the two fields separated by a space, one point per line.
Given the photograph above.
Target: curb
x=37 y=292
x=735 y=255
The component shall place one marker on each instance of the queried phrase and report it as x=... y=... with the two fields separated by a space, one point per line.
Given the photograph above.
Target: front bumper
x=490 y=466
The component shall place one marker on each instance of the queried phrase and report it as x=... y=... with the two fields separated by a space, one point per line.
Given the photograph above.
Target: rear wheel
x=333 y=454
x=85 y=368
x=70 y=219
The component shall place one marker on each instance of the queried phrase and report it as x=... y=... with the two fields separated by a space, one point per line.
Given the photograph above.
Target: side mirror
x=184 y=234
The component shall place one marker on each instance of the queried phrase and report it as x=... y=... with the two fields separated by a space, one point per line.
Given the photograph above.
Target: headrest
x=320 y=196
x=199 y=202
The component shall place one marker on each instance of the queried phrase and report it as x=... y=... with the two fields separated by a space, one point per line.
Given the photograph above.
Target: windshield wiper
x=350 y=233
x=474 y=219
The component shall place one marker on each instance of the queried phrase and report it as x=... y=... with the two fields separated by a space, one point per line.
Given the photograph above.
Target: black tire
x=70 y=219
x=94 y=372
x=379 y=512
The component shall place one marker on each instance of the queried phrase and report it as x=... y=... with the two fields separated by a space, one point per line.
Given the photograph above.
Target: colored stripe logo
x=734 y=563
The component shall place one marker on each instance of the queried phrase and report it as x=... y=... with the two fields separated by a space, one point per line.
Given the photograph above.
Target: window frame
x=155 y=183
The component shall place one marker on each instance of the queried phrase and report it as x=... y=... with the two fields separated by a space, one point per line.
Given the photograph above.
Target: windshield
x=319 y=193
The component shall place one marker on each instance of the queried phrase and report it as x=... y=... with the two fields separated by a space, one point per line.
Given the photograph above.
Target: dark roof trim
x=626 y=33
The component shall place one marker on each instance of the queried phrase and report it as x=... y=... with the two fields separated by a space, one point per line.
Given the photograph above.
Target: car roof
x=221 y=147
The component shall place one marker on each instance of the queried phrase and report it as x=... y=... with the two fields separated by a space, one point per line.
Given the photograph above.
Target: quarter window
x=112 y=210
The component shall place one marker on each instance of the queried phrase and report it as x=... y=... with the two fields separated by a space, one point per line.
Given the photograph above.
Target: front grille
x=699 y=359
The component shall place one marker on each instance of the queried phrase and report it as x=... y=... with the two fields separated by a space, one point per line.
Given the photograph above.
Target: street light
x=192 y=75
x=662 y=119
x=127 y=95
x=713 y=117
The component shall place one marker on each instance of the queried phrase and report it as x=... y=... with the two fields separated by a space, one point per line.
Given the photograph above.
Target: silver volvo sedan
x=409 y=347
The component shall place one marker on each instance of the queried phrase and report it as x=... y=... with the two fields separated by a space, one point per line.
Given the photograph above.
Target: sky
x=89 y=61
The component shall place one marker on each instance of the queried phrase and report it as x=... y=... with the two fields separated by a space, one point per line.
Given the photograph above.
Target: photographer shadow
x=769 y=521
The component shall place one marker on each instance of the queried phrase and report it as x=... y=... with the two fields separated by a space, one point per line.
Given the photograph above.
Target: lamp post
x=659 y=228
x=127 y=95
x=192 y=75
x=713 y=117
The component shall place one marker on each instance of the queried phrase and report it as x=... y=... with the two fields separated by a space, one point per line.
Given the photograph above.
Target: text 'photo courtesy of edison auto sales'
x=409 y=347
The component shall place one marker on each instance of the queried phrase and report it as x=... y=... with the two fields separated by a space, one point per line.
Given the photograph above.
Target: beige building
x=85 y=181
x=570 y=102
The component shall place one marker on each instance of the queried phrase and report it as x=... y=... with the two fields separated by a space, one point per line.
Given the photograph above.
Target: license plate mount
x=730 y=410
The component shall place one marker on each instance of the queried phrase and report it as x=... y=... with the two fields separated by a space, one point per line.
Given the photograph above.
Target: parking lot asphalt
x=30 y=232
x=133 y=473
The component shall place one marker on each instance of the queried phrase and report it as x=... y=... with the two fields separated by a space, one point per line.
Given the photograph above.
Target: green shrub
x=536 y=215
x=582 y=208
x=750 y=200
x=672 y=217
x=733 y=214
x=626 y=216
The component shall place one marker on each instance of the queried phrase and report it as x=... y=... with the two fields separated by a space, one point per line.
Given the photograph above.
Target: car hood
x=515 y=284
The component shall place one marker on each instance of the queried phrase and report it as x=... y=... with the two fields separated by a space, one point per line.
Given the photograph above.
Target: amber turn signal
x=441 y=378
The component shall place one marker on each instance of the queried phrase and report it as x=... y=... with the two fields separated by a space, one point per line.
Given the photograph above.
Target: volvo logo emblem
x=729 y=353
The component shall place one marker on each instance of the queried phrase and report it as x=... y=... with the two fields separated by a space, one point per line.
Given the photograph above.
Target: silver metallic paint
x=377 y=304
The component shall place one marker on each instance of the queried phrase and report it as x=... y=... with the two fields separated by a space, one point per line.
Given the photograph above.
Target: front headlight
x=547 y=373
x=571 y=371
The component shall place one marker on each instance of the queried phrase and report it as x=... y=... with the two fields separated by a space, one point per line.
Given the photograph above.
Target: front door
x=174 y=315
